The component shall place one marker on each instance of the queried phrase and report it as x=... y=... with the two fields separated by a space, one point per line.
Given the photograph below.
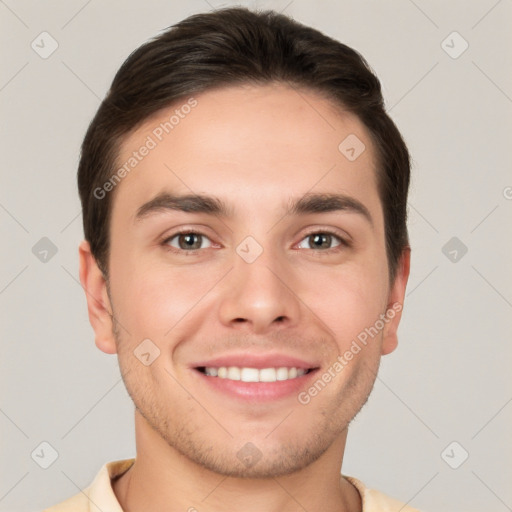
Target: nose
x=258 y=297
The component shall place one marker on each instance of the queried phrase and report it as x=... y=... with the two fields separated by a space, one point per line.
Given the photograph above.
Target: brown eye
x=187 y=241
x=321 y=241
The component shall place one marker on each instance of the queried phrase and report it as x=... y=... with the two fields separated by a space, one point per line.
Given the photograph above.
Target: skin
x=255 y=148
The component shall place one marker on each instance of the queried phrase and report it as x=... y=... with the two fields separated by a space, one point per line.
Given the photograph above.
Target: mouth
x=255 y=378
x=250 y=374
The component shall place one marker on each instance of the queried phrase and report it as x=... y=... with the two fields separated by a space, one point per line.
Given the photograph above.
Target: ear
x=395 y=303
x=98 y=302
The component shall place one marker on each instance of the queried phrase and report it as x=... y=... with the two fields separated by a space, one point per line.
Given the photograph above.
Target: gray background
x=450 y=378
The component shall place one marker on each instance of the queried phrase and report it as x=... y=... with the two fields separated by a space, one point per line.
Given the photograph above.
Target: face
x=250 y=296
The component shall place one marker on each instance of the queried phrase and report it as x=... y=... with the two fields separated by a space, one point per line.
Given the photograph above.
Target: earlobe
x=98 y=302
x=395 y=303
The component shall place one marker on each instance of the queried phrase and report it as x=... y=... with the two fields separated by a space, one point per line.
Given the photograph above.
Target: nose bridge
x=258 y=295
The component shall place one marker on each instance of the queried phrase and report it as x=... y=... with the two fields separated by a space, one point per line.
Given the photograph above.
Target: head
x=292 y=240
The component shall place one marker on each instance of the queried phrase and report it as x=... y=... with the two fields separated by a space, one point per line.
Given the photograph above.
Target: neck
x=163 y=479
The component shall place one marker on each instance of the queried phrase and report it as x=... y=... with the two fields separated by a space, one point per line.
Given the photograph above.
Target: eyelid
x=186 y=231
x=343 y=236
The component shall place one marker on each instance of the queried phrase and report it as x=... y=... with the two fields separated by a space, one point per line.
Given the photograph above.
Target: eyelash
x=343 y=243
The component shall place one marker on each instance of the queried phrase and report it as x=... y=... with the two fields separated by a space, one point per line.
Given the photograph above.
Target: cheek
x=347 y=301
x=151 y=299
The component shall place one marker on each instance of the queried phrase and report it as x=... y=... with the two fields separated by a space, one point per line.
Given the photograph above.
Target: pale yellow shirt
x=100 y=497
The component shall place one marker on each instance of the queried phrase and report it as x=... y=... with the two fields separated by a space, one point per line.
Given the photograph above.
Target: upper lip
x=245 y=360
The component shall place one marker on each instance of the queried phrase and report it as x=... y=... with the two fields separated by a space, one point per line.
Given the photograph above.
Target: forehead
x=255 y=145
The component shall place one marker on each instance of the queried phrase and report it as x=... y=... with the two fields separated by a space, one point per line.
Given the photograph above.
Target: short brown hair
x=236 y=46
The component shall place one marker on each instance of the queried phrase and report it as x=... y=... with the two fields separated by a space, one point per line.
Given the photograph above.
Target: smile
x=247 y=374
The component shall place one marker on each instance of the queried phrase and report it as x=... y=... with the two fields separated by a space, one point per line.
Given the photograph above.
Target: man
x=246 y=256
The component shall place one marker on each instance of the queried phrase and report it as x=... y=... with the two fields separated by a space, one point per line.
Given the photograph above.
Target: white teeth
x=254 y=374
x=267 y=375
x=282 y=374
x=233 y=373
x=250 y=375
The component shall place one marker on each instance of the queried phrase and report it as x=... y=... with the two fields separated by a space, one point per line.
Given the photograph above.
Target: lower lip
x=258 y=391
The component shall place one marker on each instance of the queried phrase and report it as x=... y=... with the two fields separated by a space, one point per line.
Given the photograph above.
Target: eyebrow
x=322 y=203
x=198 y=203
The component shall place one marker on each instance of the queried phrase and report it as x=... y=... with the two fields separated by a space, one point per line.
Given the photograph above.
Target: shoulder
x=99 y=495
x=376 y=501
x=77 y=503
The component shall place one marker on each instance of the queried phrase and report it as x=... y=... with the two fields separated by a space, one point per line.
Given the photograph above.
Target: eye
x=322 y=241
x=188 y=241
